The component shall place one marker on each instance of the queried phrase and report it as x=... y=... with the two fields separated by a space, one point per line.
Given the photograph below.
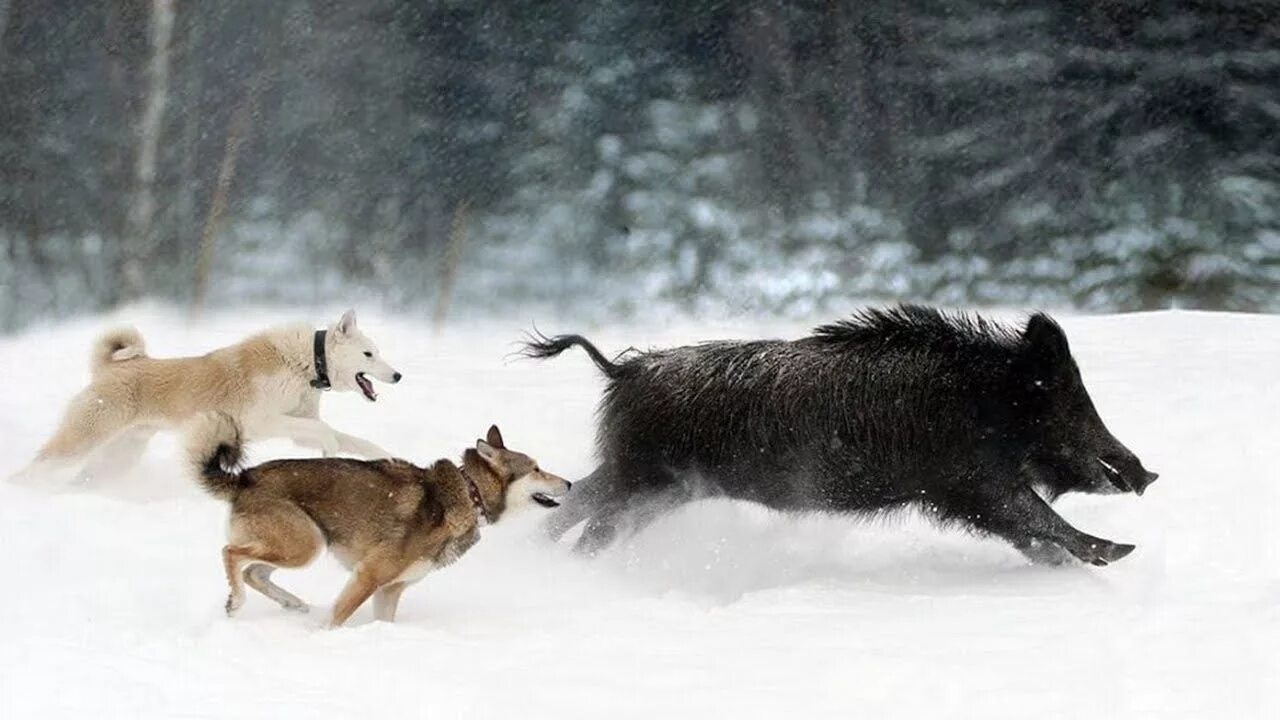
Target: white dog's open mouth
x=545 y=500
x=366 y=387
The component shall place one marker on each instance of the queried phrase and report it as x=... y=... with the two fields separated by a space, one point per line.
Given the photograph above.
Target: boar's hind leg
x=630 y=509
x=1026 y=520
x=599 y=533
x=579 y=504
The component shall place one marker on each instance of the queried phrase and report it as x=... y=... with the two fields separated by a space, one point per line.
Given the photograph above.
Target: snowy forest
x=610 y=159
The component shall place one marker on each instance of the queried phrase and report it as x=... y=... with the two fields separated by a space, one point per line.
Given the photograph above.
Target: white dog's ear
x=347 y=323
x=487 y=451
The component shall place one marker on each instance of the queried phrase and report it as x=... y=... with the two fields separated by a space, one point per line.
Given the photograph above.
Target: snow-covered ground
x=111 y=604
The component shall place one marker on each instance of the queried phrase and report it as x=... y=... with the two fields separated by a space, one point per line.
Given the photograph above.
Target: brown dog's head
x=521 y=482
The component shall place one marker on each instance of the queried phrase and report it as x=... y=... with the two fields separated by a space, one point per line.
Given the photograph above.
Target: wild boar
x=975 y=422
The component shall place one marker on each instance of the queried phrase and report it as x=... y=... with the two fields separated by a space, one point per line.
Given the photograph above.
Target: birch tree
x=140 y=230
x=237 y=133
x=4 y=20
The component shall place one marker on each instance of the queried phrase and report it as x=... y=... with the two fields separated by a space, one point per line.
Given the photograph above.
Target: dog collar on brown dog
x=473 y=491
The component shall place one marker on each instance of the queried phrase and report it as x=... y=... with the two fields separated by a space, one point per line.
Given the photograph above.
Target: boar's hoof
x=1104 y=552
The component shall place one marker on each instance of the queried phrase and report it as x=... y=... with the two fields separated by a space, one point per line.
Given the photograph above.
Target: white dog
x=269 y=383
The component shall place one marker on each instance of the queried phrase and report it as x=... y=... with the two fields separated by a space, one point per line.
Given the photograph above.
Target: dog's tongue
x=545 y=500
x=366 y=387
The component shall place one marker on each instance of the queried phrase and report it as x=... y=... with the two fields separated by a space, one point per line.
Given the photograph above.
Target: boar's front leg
x=1024 y=519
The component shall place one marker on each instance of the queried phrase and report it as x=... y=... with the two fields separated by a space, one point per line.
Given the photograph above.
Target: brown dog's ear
x=487 y=451
x=495 y=437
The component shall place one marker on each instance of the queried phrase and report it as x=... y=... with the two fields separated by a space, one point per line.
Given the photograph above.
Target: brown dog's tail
x=122 y=343
x=215 y=450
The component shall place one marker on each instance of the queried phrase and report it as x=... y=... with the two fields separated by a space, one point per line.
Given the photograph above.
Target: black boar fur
x=974 y=422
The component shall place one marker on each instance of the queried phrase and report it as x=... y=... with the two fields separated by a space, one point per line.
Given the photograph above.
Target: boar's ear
x=1045 y=339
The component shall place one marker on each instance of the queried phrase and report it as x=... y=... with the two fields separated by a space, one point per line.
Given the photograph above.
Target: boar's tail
x=540 y=346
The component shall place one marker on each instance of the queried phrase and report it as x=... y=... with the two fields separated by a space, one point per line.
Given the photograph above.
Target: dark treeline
x=754 y=154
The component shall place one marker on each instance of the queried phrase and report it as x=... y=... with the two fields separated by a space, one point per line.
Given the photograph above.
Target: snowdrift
x=112 y=602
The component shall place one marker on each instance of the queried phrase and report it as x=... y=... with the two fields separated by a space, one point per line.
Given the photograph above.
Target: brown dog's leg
x=361 y=585
x=369 y=575
x=233 y=559
x=258 y=577
x=386 y=600
x=274 y=534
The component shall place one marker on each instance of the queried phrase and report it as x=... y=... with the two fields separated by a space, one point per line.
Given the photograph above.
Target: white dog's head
x=352 y=358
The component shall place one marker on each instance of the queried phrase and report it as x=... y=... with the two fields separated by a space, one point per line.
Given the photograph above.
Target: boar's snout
x=1148 y=477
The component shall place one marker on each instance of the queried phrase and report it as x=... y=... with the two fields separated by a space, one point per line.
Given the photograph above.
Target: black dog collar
x=321 y=381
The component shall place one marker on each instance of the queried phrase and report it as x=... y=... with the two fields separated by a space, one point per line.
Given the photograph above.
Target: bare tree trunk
x=237 y=133
x=140 y=239
x=764 y=38
x=387 y=237
x=852 y=112
x=4 y=19
x=186 y=212
x=449 y=265
x=119 y=113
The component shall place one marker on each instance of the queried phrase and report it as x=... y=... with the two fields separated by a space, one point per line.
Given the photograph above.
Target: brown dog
x=388 y=521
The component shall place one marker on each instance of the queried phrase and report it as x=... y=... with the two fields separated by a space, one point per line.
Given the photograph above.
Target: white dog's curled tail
x=122 y=343
x=215 y=449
